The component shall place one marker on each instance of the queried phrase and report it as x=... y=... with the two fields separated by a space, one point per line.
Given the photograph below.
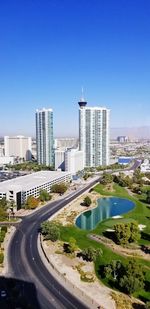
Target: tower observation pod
x=82 y=103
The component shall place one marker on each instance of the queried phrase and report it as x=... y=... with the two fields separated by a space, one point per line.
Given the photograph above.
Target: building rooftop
x=97 y=108
x=32 y=180
x=44 y=110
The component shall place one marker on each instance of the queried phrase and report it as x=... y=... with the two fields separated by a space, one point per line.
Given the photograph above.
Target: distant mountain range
x=132 y=133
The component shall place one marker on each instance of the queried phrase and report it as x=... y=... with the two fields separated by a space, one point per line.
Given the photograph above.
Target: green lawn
x=140 y=213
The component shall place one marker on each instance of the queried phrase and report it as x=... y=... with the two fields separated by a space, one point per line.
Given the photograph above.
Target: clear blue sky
x=49 y=49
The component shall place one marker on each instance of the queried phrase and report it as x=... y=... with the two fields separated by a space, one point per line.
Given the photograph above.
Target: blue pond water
x=106 y=208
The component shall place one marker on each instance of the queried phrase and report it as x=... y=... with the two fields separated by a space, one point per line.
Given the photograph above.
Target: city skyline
x=48 y=51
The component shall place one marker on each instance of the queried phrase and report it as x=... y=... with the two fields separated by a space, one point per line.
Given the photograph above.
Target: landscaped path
x=117 y=248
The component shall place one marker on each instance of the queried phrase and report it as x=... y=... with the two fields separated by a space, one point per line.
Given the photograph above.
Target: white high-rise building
x=74 y=161
x=44 y=136
x=94 y=134
x=18 y=146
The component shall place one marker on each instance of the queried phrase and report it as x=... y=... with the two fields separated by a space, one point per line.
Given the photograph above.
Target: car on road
x=3 y=293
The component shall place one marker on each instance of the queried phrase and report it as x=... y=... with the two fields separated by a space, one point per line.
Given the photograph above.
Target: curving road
x=25 y=263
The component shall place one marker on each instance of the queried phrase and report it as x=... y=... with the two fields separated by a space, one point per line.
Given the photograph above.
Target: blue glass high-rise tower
x=44 y=136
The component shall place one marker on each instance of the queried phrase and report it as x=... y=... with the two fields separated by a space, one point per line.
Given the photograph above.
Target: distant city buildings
x=122 y=139
x=94 y=134
x=44 y=137
x=18 y=146
x=65 y=142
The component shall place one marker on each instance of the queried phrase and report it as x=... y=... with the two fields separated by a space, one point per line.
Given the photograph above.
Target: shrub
x=72 y=245
x=2 y=236
x=3 y=214
x=147 y=306
x=87 y=201
x=44 y=196
x=1 y=257
x=60 y=188
x=90 y=254
x=4 y=228
x=50 y=230
x=32 y=202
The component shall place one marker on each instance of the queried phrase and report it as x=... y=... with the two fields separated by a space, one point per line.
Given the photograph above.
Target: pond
x=106 y=208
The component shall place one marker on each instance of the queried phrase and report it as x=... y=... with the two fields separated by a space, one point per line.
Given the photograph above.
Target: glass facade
x=44 y=137
x=94 y=135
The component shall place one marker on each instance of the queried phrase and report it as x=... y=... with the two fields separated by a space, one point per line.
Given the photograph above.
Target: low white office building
x=18 y=146
x=74 y=160
x=19 y=189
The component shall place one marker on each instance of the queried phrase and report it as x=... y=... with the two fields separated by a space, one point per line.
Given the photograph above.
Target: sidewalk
x=8 y=237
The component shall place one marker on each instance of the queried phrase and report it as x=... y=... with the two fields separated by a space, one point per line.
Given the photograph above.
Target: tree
x=107 y=271
x=107 y=178
x=31 y=202
x=147 y=306
x=86 y=176
x=3 y=203
x=138 y=189
x=50 y=230
x=134 y=232
x=126 y=233
x=60 y=188
x=3 y=214
x=121 y=180
x=2 y=236
x=128 y=181
x=113 y=269
x=133 y=279
x=1 y=257
x=129 y=278
x=45 y=227
x=87 y=201
x=148 y=197
x=137 y=177
x=122 y=233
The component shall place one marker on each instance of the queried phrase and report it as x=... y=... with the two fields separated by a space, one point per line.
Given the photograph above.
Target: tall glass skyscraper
x=94 y=134
x=44 y=136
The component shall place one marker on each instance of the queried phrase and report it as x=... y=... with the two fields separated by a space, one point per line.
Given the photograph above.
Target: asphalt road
x=25 y=263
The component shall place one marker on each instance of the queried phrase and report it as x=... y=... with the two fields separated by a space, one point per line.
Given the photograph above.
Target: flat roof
x=32 y=180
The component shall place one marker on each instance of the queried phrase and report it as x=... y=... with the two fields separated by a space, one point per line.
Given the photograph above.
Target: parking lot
x=6 y=175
